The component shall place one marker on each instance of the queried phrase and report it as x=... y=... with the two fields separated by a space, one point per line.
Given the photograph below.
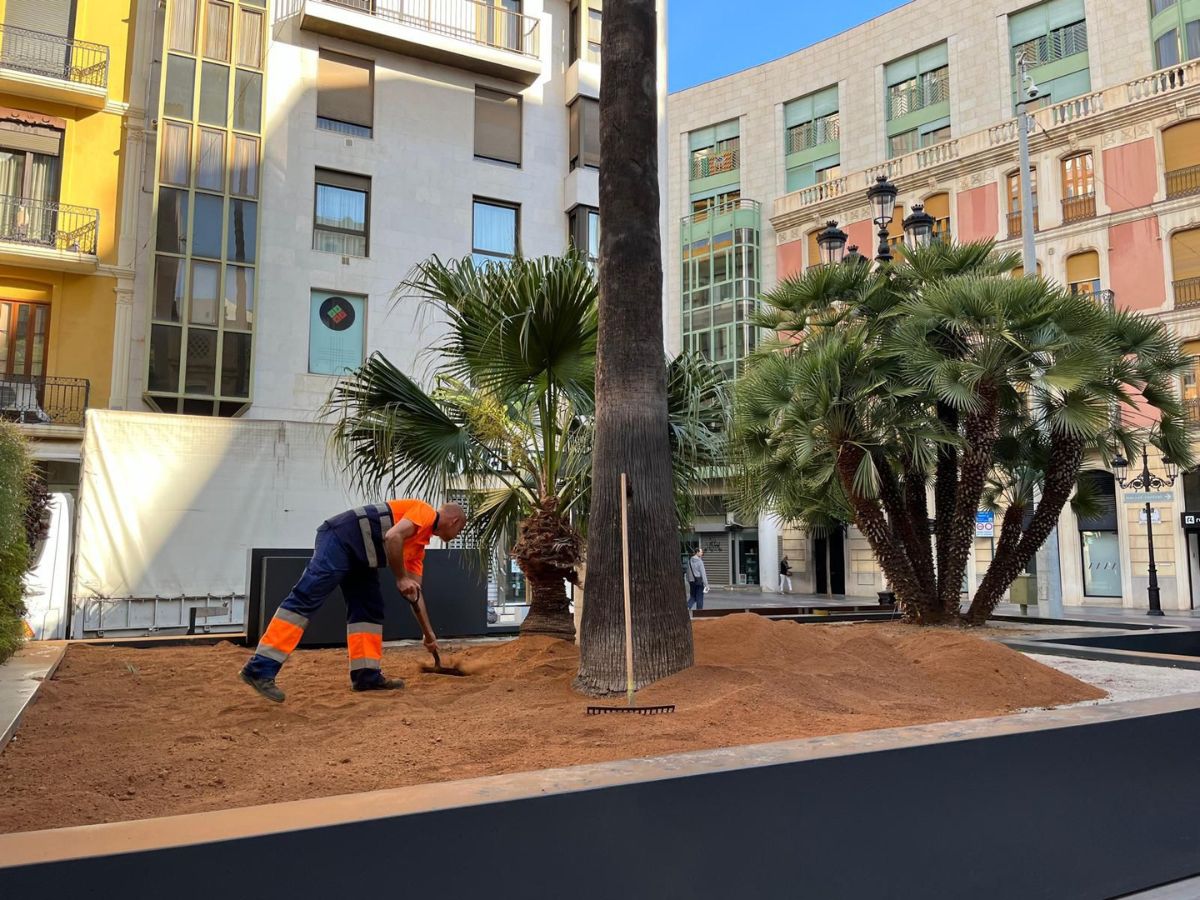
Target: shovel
x=437 y=668
x=629 y=706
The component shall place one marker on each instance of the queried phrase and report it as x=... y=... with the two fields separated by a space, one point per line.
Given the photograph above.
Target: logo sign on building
x=985 y=524
x=1155 y=517
x=1150 y=497
x=335 y=333
x=1190 y=520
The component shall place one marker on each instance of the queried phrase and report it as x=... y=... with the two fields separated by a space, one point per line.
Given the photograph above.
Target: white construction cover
x=47 y=582
x=171 y=505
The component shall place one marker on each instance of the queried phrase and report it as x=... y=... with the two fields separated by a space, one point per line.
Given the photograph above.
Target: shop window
x=1099 y=538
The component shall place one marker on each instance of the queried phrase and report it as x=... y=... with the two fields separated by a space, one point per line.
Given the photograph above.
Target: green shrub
x=14 y=548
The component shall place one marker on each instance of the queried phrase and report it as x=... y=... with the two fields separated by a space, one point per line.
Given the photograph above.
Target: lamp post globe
x=918 y=227
x=882 y=197
x=832 y=243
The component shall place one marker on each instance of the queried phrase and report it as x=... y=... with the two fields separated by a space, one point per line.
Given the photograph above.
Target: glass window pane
x=341 y=208
x=206 y=278
x=247 y=101
x=165 y=343
x=183 y=26
x=172 y=220
x=206 y=229
x=244 y=178
x=200 y=376
x=1166 y=49
x=210 y=163
x=176 y=147
x=495 y=229
x=1193 y=39
x=250 y=38
x=214 y=94
x=1101 y=563
x=168 y=289
x=239 y=297
x=235 y=365
x=335 y=333
x=217 y=20
x=594 y=235
x=243 y=231
x=181 y=77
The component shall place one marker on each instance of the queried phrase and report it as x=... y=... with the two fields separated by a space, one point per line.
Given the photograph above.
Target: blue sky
x=712 y=38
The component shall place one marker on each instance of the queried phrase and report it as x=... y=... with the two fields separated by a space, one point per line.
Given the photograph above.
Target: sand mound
x=123 y=733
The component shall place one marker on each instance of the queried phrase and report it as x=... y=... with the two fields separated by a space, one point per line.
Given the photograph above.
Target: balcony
x=1187 y=293
x=927 y=90
x=1077 y=209
x=715 y=162
x=1183 y=182
x=1191 y=409
x=43 y=400
x=1014 y=223
x=49 y=67
x=46 y=234
x=466 y=34
x=720 y=218
x=1161 y=90
x=824 y=130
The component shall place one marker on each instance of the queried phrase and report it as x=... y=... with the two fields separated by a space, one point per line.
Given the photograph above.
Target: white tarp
x=47 y=582
x=170 y=505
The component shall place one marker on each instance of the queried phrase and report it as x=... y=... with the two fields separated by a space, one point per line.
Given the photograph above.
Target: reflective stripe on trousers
x=364 y=643
x=282 y=635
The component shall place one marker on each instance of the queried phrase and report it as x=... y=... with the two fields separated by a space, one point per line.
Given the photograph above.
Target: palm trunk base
x=557 y=623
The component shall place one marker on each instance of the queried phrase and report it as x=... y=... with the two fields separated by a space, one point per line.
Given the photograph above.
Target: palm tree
x=509 y=421
x=631 y=381
x=945 y=370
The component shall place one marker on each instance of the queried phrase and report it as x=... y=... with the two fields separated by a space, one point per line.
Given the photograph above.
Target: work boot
x=265 y=686
x=383 y=684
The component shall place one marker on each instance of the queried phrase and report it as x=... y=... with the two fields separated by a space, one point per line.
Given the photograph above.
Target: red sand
x=124 y=734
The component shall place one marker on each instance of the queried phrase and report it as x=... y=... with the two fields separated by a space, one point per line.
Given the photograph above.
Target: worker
x=349 y=548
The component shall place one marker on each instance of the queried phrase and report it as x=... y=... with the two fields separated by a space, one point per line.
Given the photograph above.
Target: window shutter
x=727 y=130
x=938 y=206
x=901 y=70
x=1083 y=267
x=825 y=102
x=1185 y=254
x=1181 y=146
x=47 y=16
x=344 y=91
x=497 y=125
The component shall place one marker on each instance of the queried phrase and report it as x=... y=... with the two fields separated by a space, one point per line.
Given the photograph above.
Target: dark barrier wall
x=455 y=593
x=1076 y=813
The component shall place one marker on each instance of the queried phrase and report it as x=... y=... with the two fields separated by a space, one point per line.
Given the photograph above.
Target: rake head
x=636 y=710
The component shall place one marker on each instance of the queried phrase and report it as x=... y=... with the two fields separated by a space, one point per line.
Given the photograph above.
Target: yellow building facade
x=68 y=142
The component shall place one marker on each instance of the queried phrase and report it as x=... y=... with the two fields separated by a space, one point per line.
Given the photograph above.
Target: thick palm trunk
x=632 y=431
x=548 y=550
x=945 y=485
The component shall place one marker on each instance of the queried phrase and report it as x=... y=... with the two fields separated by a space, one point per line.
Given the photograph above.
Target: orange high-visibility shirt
x=424 y=517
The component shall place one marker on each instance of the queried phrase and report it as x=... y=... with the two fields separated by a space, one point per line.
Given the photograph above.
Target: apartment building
x=69 y=142
x=311 y=152
x=762 y=160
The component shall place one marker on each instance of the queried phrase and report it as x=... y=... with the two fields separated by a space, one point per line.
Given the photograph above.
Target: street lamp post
x=1147 y=481
x=882 y=197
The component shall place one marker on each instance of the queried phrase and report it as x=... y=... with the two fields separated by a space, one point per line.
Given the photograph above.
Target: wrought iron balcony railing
x=1183 y=182
x=918 y=93
x=1187 y=292
x=47 y=223
x=467 y=20
x=43 y=399
x=1014 y=222
x=813 y=134
x=51 y=56
x=1192 y=410
x=1058 y=44
x=715 y=162
x=1076 y=209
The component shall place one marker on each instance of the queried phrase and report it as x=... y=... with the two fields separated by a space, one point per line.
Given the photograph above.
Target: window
x=721 y=281
x=584 y=225
x=587 y=17
x=1099 y=540
x=1052 y=38
x=29 y=182
x=723 y=202
x=497 y=126
x=336 y=332
x=345 y=94
x=342 y=208
x=1175 y=30
x=1059 y=43
x=1014 y=202
x=1083 y=273
x=938 y=206
x=1079 y=187
x=24 y=328
x=585 y=133
x=905 y=142
x=715 y=150
x=1185 y=266
x=1181 y=158
x=495 y=232
x=919 y=92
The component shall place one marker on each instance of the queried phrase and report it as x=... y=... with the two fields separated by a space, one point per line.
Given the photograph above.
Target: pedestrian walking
x=785 y=576
x=697 y=579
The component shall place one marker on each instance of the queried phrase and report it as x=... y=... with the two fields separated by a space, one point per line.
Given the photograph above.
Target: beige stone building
x=761 y=160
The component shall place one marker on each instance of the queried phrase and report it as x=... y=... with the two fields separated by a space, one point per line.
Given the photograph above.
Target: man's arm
x=408 y=583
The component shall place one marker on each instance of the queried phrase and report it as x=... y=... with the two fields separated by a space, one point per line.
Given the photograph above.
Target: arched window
x=1014 y=202
x=938 y=206
x=1181 y=158
x=814 y=249
x=1019 y=271
x=1185 y=264
x=1098 y=537
x=1079 y=187
x=896 y=230
x=1083 y=272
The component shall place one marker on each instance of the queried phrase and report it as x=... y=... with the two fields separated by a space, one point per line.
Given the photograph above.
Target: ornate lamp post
x=832 y=243
x=918 y=227
x=882 y=197
x=1147 y=481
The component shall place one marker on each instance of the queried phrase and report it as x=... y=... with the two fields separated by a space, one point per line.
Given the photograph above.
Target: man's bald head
x=451 y=521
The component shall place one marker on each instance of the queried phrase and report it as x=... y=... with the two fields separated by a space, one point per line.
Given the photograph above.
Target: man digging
x=349 y=549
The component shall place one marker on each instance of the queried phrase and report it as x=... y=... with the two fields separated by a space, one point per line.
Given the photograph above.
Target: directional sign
x=1150 y=497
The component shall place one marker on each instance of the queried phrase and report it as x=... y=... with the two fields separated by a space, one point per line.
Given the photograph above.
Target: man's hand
x=409 y=587
x=431 y=644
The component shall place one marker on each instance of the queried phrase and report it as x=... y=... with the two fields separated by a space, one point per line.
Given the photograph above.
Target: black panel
x=455 y=593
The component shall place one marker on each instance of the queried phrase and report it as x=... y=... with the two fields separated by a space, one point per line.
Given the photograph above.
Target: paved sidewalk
x=20 y=679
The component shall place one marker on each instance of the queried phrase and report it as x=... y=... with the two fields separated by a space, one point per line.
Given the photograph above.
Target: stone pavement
x=20 y=679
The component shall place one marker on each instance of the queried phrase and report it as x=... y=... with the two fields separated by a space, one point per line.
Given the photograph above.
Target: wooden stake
x=625 y=574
